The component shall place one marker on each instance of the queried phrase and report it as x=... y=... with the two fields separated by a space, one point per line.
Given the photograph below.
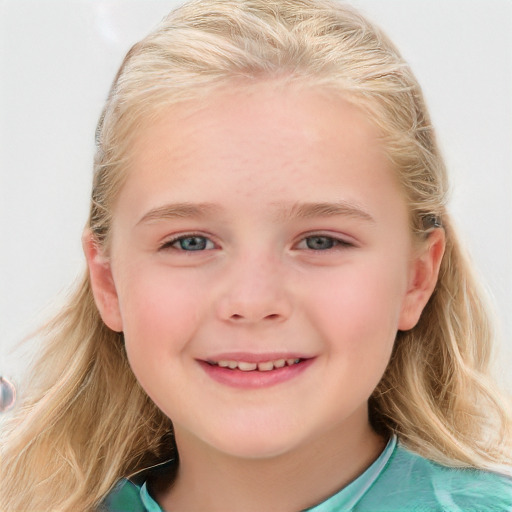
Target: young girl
x=276 y=315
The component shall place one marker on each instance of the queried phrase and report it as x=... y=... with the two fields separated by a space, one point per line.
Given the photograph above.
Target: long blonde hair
x=86 y=422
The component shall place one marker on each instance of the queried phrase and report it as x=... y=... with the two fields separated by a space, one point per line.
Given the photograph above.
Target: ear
x=422 y=279
x=102 y=282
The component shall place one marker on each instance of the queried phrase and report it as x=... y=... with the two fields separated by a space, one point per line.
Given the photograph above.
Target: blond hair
x=87 y=422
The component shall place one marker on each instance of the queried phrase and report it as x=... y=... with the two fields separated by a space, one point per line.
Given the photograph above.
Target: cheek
x=159 y=311
x=358 y=311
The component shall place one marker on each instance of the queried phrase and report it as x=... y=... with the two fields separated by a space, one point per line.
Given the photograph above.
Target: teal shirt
x=398 y=481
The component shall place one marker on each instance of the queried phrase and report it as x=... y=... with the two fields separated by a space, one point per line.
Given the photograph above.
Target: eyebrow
x=326 y=209
x=179 y=210
x=296 y=211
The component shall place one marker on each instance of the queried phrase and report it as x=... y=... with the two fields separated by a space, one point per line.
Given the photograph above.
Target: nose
x=254 y=291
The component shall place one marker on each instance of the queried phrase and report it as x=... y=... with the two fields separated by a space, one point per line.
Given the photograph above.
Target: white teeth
x=246 y=367
x=265 y=366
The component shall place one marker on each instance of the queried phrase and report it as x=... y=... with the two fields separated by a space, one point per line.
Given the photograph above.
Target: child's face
x=263 y=227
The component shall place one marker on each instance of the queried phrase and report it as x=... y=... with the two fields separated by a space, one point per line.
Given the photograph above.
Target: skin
x=252 y=156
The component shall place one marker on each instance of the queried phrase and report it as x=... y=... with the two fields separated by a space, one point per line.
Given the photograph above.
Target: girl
x=276 y=314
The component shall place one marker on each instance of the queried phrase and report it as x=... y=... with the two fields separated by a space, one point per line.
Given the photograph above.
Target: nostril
x=238 y=317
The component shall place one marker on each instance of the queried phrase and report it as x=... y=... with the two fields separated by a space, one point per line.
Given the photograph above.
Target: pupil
x=193 y=243
x=320 y=242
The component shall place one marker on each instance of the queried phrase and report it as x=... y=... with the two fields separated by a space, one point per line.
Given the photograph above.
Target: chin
x=265 y=443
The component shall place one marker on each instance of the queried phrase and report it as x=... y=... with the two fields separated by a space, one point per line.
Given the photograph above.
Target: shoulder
x=411 y=482
x=124 y=497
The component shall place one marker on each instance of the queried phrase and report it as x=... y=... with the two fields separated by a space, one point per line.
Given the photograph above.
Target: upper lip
x=250 y=357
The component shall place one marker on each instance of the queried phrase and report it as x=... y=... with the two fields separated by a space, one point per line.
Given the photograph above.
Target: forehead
x=266 y=139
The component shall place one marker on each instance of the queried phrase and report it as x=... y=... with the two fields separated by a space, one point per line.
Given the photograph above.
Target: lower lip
x=254 y=379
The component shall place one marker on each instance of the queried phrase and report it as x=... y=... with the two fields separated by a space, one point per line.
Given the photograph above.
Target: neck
x=296 y=480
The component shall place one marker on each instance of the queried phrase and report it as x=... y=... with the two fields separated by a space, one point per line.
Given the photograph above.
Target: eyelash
x=336 y=243
x=170 y=243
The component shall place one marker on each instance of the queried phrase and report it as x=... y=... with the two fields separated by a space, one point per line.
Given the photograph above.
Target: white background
x=58 y=59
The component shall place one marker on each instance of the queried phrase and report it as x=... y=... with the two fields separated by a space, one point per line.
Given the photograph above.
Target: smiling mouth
x=264 y=366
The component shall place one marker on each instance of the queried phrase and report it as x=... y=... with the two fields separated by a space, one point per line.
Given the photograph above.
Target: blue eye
x=190 y=243
x=322 y=243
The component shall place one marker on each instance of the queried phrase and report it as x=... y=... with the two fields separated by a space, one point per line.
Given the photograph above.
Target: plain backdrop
x=58 y=58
